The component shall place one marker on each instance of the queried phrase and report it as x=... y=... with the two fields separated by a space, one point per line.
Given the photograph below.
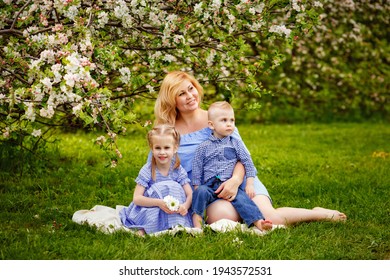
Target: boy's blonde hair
x=165 y=107
x=163 y=130
x=223 y=105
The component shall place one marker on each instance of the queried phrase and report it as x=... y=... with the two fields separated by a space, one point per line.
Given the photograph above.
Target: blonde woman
x=178 y=104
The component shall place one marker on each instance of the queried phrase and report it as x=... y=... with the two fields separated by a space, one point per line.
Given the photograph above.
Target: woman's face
x=187 y=98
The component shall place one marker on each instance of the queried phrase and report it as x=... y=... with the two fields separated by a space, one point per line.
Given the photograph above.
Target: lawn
x=341 y=166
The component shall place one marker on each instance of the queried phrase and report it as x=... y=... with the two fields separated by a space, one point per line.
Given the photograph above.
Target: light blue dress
x=153 y=219
x=188 y=144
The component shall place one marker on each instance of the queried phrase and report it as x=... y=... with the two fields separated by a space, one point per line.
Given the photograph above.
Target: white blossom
x=121 y=9
x=76 y=109
x=48 y=55
x=37 y=93
x=72 y=12
x=169 y=58
x=171 y=202
x=280 y=29
x=125 y=75
x=47 y=83
x=36 y=133
x=210 y=58
x=198 y=9
x=30 y=113
x=70 y=79
x=259 y=8
x=100 y=140
x=150 y=88
x=216 y=4
x=47 y=113
x=206 y=16
x=6 y=133
x=179 y=39
x=56 y=68
x=102 y=19
x=297 y=6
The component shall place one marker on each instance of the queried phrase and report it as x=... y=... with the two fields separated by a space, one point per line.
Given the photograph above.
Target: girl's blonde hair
x=165 y=107
x=163 y=130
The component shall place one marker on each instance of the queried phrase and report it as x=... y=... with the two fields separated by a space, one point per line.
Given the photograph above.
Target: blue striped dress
x=153 y=219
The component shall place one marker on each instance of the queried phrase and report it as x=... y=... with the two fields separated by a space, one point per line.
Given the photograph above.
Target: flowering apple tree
x=84 y=64
x=338 y=70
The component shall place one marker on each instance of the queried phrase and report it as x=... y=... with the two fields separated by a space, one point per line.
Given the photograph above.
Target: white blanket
x=107 y=220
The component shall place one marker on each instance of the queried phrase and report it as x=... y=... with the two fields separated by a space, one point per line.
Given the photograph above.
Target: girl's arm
x=183 y=208
x=141 y=200
x=188 y=191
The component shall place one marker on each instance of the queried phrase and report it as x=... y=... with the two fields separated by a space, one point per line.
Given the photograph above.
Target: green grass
x=304 y=165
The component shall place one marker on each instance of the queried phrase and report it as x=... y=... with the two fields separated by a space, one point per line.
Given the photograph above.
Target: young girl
x=159 y=183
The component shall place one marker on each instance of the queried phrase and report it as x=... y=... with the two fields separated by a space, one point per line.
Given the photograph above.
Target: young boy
x=213 y=164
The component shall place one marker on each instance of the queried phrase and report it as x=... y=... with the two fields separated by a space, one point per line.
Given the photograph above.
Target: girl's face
x=187 y=98
x=163 y=149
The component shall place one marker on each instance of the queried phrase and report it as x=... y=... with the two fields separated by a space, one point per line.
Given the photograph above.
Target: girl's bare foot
x=263 y=225
x=140 y=232
x=331 y=215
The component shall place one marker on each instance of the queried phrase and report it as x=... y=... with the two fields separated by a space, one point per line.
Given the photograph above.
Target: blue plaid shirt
x=218 y=157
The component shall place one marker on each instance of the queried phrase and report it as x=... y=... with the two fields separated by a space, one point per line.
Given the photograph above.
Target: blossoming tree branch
x=73 y=63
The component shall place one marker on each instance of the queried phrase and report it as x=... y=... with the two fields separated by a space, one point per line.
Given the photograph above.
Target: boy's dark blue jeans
x=204 y=195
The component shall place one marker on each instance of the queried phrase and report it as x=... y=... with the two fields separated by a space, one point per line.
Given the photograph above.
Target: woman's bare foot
x=331 y=215
x=263 y=225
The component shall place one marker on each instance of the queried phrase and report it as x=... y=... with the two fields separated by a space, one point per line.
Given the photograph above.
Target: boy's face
x=222 y=122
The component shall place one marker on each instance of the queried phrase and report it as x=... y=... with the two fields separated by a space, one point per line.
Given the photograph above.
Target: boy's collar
x=212 y=137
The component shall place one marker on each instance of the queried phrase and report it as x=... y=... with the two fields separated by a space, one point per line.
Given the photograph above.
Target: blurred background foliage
x=338 y=70
x=98 y=65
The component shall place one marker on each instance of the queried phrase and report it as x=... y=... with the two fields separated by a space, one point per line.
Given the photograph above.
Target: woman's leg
x=221 y=209
x=289 y=215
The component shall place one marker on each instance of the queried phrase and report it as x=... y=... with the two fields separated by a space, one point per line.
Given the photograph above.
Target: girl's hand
x=182 y=210
x=164 y=207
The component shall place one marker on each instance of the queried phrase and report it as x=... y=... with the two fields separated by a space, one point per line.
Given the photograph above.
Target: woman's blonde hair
x=163 y=130
x=165 y=107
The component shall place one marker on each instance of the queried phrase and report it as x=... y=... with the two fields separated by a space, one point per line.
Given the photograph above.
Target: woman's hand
x=228 y=189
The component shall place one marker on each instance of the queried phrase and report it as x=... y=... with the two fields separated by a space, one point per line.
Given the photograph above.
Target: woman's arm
x=228 y=189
